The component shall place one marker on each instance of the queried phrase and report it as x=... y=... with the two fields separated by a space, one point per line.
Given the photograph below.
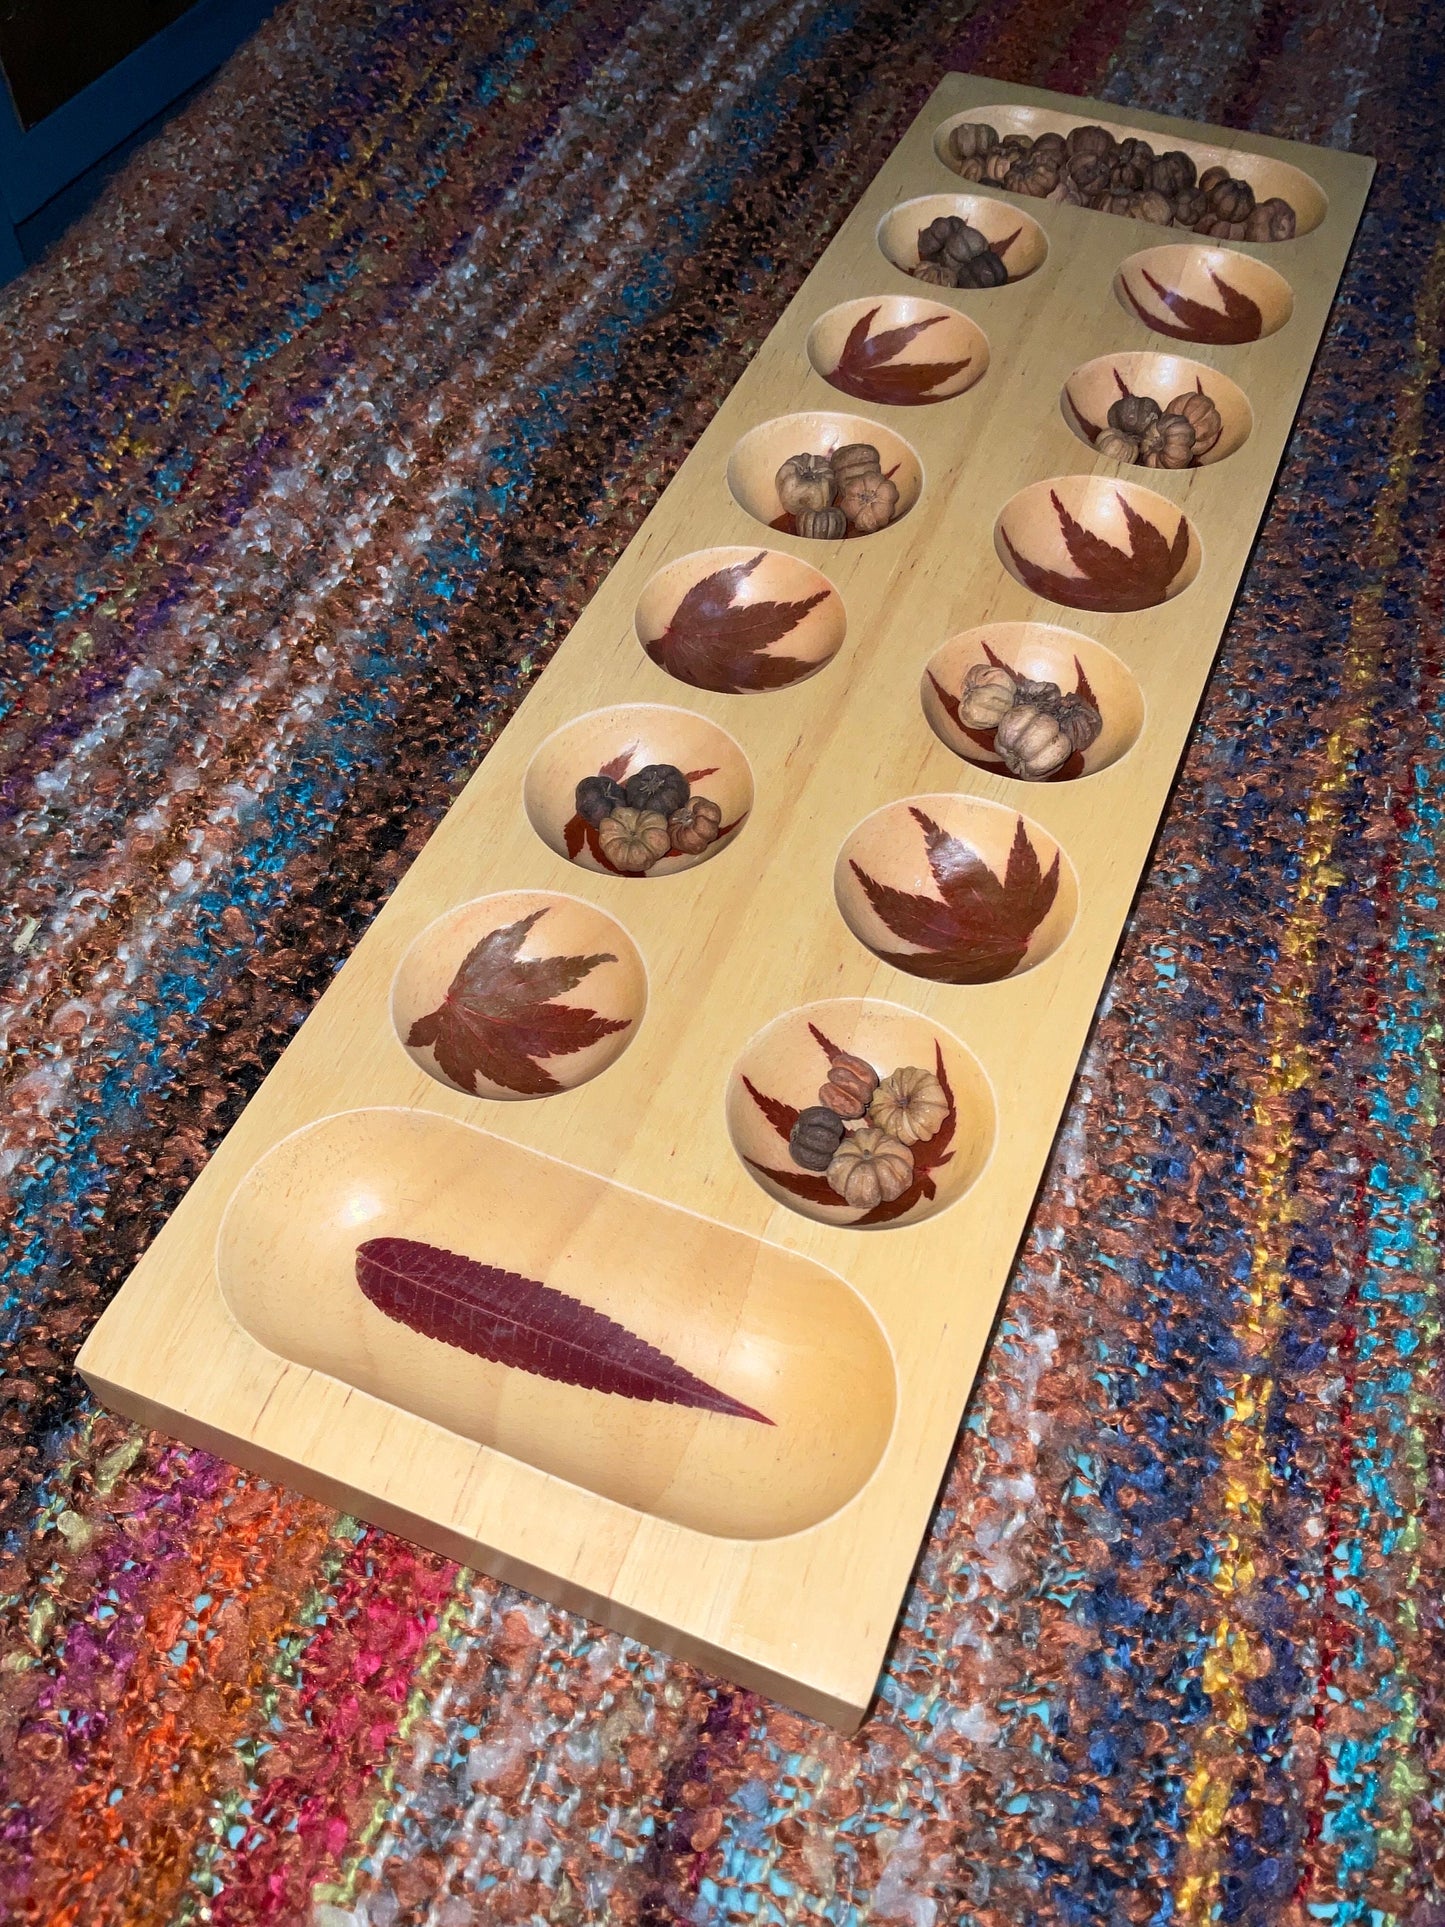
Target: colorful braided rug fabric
x=318 y=434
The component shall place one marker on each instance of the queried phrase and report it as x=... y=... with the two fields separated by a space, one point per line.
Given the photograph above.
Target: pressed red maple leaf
x=1109 y=578
x=867 y=370
x=977 y=929
x=1240 y=319
x=928 y=1156
x=516 y=1321
x=716 y=642
x=498 y=1016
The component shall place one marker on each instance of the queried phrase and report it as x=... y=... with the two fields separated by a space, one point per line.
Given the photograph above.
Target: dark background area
x=51 y=49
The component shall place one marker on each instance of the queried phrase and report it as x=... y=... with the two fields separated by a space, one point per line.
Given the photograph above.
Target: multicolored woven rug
x=318 y=433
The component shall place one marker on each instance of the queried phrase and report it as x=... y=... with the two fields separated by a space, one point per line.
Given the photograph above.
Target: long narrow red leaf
x=802 y=1184
x=516 y=1321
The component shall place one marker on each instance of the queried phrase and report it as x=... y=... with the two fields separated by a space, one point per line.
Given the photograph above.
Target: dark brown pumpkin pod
x=1090 y=172
x=935 y=274
x=1231 y=200
x=1036 y=176
x=1271 y=220
x=962 y=241
x=1051 y=144
x=1116 y=202
x=1079 y=720
x=1155 y=207
x=1129 y=176
x=598 y=796
x=1092 y=139
x=660 y=787
x=1172 y=173
x=985 y=270
x=972 y=139
x=1191 y=205
x=814 y=1139
x=1132 y=414
x=1211 y=178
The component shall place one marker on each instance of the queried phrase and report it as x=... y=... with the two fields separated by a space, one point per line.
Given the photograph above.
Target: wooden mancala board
x=718 y=1414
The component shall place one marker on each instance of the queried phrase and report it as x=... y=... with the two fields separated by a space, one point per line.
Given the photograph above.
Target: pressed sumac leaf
x=529 y=1326
x=716 y=642
x=803 y=1184
x=498 y=1016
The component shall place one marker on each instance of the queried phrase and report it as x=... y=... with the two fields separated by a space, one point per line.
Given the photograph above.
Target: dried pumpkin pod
x=1090 y=173
x=850 y=1085
x=935 y=274
x=997 y=163
x=1137 y=152
x=1231 y=200
x=1155 y=207
x=1128 y=177
x=822 y=525
x=987 y=695
x=1041 y=694
x=814 y=1139
x=962 y=242
x=1171 y=173
x=1191 y=205
x=1090 y=139
x=973 y=169
x=1017 y=144
x=695 y=825
x=1167 y=442
x=1271 y=220
x=1132 y=414
x=972 y=138
x=1218 y=230
x=854 y=459
x=633 y=840
x=1052 y=145
x=1065 y=193
x=1032 y=743
x=1117 y=447
x=1211 y=178
x=1037 y=177
x=598 y=796
x=932 y=237
x=985 y=270
x=1079 y=721
x=870 y=1168
x=659 y=786
x=1119 y=202
x=1202 y=416
x=869 y=502
x=909 y=1104
x=805 y=482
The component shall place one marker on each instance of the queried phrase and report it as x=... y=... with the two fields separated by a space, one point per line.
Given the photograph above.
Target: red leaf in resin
x=1002 y=247
x=515 y=1321
x=1109 y=578
x=825 y=1044
x=1239 y=321
x=867 y=370
x=716 y=642
x=781 y=1116
x=498 y=1016
x=978 y=927
x=802 y=1184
